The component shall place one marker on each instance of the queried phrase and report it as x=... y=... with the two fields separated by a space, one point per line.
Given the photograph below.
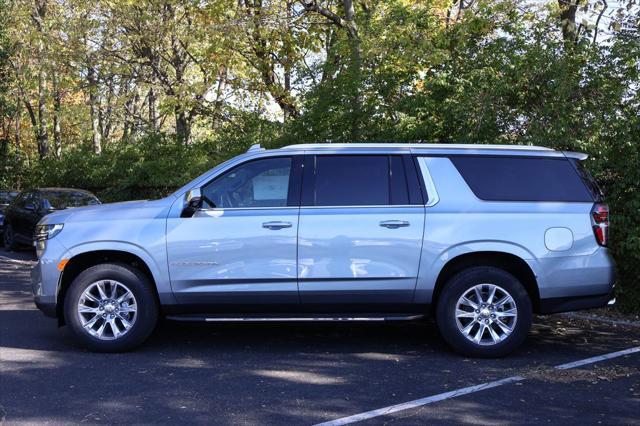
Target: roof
x=54 y=189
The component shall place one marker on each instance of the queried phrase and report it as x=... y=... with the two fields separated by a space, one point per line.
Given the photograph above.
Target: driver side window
x=259 y=183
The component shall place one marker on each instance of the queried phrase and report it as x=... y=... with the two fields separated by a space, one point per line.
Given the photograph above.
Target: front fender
x=158 y=269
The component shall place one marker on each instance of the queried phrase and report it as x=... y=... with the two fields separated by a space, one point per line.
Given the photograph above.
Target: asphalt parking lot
x=306 y=374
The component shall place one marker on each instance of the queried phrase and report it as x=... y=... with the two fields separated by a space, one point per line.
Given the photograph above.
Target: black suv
x=5 y=199
x=24 y=212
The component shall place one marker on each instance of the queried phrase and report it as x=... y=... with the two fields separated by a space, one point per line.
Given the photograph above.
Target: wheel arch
x=81 y=261
x=509 y=262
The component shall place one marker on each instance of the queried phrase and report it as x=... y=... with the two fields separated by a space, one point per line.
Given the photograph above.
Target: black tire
x=146 y=301
x=9 y=238
x=463 y=282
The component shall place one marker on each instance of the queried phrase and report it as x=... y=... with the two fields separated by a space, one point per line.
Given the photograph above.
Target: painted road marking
x=466 y=391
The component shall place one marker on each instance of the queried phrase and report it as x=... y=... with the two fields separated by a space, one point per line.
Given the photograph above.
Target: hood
x=112 y=211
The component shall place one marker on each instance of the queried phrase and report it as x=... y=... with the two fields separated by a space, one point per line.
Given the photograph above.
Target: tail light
x=600 y=221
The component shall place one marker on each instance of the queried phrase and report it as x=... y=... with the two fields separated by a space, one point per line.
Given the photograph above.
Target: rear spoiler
x=581 y=156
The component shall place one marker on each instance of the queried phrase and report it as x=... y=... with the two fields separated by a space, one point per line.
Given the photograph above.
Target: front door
x=240 y=248
x=360 y=233
x=26 y=212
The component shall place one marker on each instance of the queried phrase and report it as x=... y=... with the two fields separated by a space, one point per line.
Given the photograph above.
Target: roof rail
x=581 y=156
x=255 y=147
x=419 y=146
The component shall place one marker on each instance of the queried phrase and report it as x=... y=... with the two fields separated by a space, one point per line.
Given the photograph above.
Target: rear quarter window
x=522 y=179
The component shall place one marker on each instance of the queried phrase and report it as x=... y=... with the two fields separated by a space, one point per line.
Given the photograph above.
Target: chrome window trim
x=222 y=209
x=430 y=186
x=385 y=206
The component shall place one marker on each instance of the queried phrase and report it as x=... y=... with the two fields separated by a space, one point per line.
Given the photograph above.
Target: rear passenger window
x=522 y=179
x=399 y=189
x=359 y=180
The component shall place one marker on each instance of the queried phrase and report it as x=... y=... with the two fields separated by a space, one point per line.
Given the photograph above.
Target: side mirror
x=192 y=202
x=30 y=206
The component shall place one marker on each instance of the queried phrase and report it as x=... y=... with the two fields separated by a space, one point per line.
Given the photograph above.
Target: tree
x=6 y=73
x=39 y=18
x=347 y=22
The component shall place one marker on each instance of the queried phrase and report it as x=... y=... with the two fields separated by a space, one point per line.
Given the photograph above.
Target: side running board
x=296 y=318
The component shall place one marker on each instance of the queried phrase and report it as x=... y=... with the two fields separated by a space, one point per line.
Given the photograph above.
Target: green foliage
x=501 y=77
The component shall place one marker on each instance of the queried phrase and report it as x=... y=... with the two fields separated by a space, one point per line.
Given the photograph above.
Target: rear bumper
x=567 y=304
x=575 y=283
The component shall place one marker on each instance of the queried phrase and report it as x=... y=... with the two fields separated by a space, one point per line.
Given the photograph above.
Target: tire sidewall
x=9 y=243
x=138 y=284
x=459 y=285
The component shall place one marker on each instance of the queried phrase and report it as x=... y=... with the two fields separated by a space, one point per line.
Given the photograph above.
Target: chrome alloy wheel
x=486 y=314
x=107 y=309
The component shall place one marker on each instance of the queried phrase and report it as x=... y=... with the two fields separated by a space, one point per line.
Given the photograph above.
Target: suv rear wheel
x=111 y=307
x=484 y=312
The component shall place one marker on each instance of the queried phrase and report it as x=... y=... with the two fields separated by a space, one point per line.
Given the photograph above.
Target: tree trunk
x=57 y=136
x=135 y=112
x=126 y=126
x=153 y=110
x=38 y=16
x=568 y=10
x=355 y=69
x=43 y=132
x=183 y=126
x=18 y=142
x=17 y=130
x=95 y=114
x=222 y=83
x=287 y=63
x=106 y=113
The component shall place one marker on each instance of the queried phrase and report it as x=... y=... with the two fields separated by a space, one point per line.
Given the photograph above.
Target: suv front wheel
x=484 y=312
x=111 y=307
x=9 y=238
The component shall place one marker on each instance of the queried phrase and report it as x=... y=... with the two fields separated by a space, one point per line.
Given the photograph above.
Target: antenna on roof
x=255 y=147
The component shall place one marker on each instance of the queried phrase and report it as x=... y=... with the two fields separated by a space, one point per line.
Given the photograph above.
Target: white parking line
x=465 y=391
x=597 y=358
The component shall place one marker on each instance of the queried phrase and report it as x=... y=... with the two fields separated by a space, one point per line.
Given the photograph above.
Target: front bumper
x=45 y=278
x=47 y=306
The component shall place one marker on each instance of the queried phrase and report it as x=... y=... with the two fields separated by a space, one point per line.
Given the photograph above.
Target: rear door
x=360 y=231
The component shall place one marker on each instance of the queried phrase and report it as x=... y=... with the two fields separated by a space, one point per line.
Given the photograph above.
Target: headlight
x=46 y=232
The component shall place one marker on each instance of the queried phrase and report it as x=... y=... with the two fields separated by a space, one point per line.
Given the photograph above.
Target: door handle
x=276 y=225
x=394 y=224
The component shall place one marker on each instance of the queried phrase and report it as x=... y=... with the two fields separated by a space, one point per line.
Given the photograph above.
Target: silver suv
x=480 y=236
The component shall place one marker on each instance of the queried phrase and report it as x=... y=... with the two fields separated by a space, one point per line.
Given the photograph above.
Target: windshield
x=7 y=197
x=58 y=200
